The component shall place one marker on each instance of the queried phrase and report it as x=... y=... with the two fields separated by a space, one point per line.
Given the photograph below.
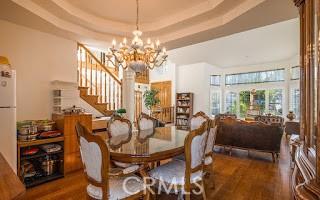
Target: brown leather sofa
x=249 y=135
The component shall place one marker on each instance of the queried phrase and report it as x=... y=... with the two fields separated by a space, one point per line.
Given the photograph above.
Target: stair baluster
x=98 y=86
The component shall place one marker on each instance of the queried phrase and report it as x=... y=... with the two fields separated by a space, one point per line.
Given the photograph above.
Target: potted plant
x=121 y=111
x=150 y=99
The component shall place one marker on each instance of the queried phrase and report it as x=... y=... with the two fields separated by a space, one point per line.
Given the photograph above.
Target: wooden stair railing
x=98 y=86
x=164 y=114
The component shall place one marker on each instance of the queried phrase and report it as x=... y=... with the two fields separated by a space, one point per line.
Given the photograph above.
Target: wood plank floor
x=241 y=176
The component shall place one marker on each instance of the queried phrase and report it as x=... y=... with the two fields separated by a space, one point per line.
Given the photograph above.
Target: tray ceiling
x=176 y=23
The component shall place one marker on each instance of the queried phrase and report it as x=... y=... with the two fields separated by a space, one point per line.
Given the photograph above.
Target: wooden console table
x=10 y=185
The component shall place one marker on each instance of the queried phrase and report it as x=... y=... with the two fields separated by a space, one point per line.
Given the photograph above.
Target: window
x=275 y=101
x=295 y=73
x=260 y=100
x=295 y=102
x=215 y=80
x=215 y=102
x=244 y=102
x=255 y=77
x=231 y=102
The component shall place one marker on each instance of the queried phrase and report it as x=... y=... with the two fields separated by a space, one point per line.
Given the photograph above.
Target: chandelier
x=136 y=55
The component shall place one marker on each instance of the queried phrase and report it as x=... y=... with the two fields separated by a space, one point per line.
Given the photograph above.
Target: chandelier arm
x=117 y=59
x=163 y=60
x=155 y=57
x=111 y=62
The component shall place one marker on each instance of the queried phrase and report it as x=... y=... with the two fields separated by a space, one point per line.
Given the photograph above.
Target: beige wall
x=38 y=58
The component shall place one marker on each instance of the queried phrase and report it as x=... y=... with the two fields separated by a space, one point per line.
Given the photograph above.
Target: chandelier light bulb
x=157 y=43
x=124 y=41
x=148 y=41
x=114 y=42
x=164 y=50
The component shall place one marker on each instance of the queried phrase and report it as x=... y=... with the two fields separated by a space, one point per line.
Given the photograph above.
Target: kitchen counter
x=100 y=123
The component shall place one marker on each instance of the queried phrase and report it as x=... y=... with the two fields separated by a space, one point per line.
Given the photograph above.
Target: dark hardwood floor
x=241 y=176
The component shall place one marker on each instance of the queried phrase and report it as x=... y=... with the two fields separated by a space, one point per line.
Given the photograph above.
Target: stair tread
x=102 y=103
x=92 y=95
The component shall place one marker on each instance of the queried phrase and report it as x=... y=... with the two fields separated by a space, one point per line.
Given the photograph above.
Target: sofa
x=270 y=119
x=253 y=135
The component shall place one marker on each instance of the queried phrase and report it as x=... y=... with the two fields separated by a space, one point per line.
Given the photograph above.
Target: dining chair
x=96 y=158
x=208 y=161
x=185 y=175
x=195 y=122
x=146 y=122
x=120 y=131
x=197 y=119
x=113 y=171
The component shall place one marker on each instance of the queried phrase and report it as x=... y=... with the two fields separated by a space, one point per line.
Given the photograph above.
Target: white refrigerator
x=8 y=130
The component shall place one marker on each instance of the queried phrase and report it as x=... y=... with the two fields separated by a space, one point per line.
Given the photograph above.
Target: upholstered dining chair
x=197 y=119
x=120 y=131
x=96 y=158
x=185 y=175
x=146 y=122
x=208 y=161
x=195 y=122
x=125 y=169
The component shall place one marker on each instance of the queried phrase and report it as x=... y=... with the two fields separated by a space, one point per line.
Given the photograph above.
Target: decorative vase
x=291 y=116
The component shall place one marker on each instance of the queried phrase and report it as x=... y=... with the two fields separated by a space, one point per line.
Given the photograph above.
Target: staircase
x=98 y=84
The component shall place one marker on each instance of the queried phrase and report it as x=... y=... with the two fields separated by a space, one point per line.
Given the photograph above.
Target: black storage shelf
x=31 y=182
x=41 y=153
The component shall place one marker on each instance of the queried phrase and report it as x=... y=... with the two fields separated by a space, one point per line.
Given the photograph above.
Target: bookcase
x=184 y=110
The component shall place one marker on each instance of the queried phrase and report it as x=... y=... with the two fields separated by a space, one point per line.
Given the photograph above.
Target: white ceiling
x=267 y=44
x=176 y=23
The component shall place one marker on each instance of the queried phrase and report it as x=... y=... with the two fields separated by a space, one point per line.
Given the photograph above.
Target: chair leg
x=147 y=195
x=273 y=157
x=203 y=191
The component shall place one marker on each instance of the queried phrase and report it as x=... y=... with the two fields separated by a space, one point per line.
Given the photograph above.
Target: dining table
x=148 y=146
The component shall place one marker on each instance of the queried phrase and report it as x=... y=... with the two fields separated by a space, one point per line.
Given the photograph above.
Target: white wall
x=195 y=78
x=38 y=58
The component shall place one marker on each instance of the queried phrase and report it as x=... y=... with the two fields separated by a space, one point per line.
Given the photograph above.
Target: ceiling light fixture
x=137 y=56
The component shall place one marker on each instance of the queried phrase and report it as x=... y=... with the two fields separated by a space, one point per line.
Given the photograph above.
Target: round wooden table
x=148 y=146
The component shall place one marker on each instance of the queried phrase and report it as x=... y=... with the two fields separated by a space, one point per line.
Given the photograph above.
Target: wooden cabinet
x=184 y=110
x=66 y=123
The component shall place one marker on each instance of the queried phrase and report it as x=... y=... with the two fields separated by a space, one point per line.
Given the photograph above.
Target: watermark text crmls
x=157 y=186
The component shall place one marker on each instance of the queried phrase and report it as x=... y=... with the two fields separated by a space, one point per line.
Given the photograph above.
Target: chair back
x=197 y=120
x=212 y=133
x=95 y=157
x=146 y=122
x=119 y=126
x=195 y=145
